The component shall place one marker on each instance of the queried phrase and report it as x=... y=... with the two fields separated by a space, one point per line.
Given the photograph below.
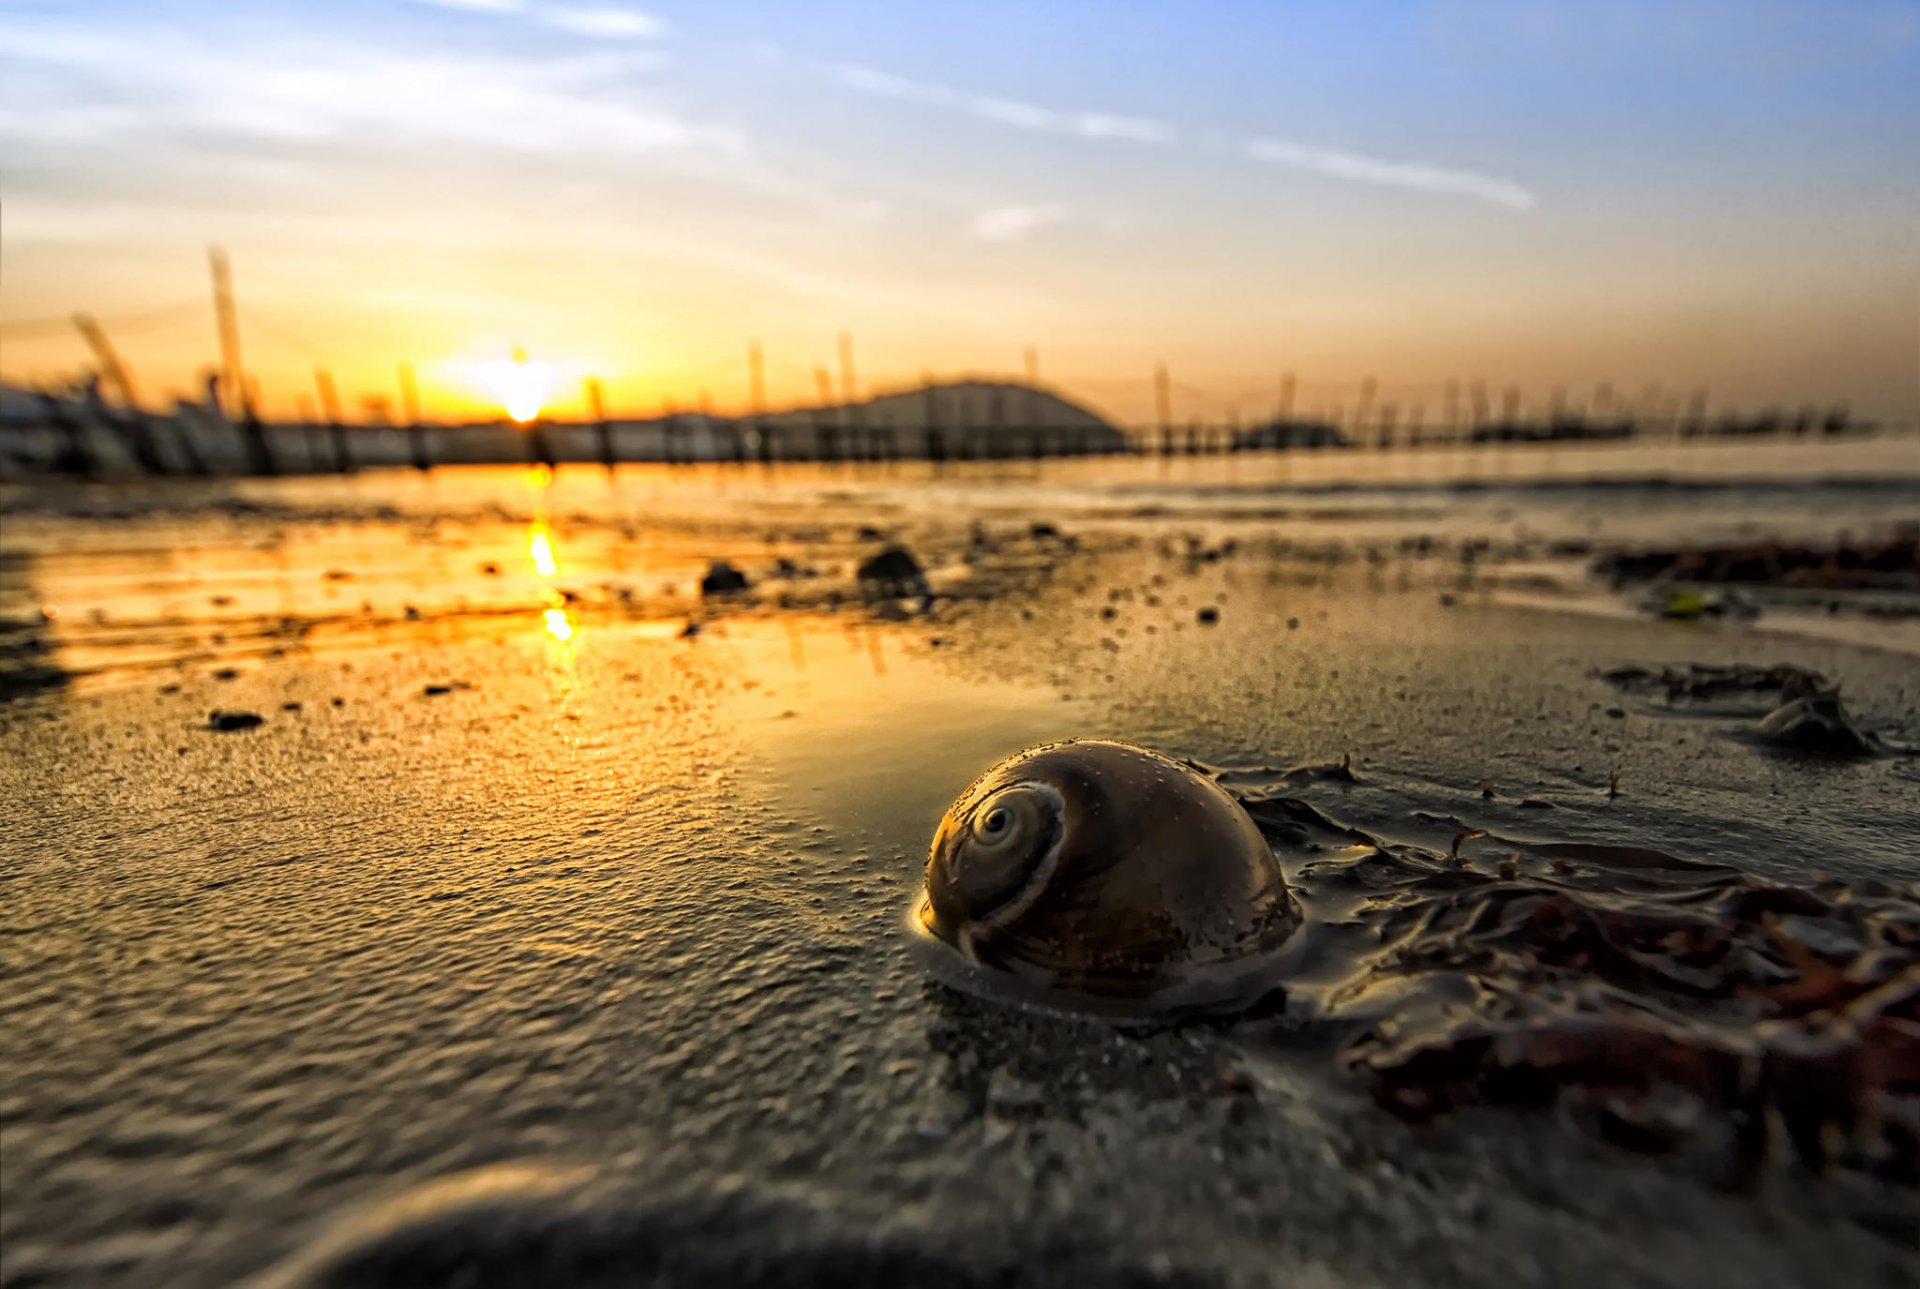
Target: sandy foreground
x=530 y=938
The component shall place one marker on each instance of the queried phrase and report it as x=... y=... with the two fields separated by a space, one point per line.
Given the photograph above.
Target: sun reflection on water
x=540 y=549
x=540 y=552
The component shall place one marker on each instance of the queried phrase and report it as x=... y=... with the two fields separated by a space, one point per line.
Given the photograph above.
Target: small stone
x=723 y=578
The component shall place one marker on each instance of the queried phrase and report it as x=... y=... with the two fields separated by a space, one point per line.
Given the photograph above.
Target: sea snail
x=1107 y=878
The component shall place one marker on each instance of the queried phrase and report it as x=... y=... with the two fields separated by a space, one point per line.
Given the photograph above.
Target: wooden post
x=757 y=401
x=1697 y=413
x=1036 y=432
x=936 y=438
x=669 y=432
x=826 y=446
x=410 y=408
x=227 y=323
x=1163 y=406
x=315 y=434
x=850 y=419
x=330 y=408
x=75 y=455
x=602 y=428
x=138 y=429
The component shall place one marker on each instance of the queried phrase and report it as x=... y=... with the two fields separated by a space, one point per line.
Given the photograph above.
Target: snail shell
x=1106 y=877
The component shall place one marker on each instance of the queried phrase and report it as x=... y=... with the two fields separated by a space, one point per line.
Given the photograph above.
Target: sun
x=519 y=386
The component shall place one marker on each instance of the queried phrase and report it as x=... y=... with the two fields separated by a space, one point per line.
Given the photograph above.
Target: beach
x=549 y=922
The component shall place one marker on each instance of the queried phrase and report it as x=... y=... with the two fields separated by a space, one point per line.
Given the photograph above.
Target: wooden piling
x=602 y=427
x=336 y=429
x=416 y=433
x=1163 y=407
x=826 y=445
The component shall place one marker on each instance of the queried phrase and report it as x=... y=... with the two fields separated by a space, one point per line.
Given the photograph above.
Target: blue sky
x=1689 y=194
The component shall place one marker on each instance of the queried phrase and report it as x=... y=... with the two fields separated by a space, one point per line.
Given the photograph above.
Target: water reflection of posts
x=336 y=430
x=410 y=409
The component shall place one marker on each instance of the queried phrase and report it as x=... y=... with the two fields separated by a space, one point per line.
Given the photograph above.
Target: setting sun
x=519 y=386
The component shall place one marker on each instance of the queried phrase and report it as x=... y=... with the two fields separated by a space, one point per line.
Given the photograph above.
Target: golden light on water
x=540 y=549
x=540 y=552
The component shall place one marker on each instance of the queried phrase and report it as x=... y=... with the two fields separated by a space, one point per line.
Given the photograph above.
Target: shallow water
x=617 y=918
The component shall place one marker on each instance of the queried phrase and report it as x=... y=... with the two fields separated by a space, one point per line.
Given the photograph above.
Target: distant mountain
x=971 y=418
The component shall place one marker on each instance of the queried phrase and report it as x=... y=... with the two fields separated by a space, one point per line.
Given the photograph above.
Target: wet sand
x=528 y=934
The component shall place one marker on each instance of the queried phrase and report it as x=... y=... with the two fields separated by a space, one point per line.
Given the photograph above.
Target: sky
x=1717 y=195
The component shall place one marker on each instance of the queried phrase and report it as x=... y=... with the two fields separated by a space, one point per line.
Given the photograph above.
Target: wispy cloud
x=1012 y=223
x=319 y=92
x=1003 y=111
x=1393 y=174
x=1335 y=163
x=609 y=22
x=616 y=24
x=479 y=6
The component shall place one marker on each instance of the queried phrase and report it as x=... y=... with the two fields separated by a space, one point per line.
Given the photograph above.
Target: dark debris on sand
x=1670 y=1006
x=893 y=573
x=723 y=578
x=1817 y=723
x=1702 y=682
x=1800 y=710
x=1890 y=563
x=228 y=722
